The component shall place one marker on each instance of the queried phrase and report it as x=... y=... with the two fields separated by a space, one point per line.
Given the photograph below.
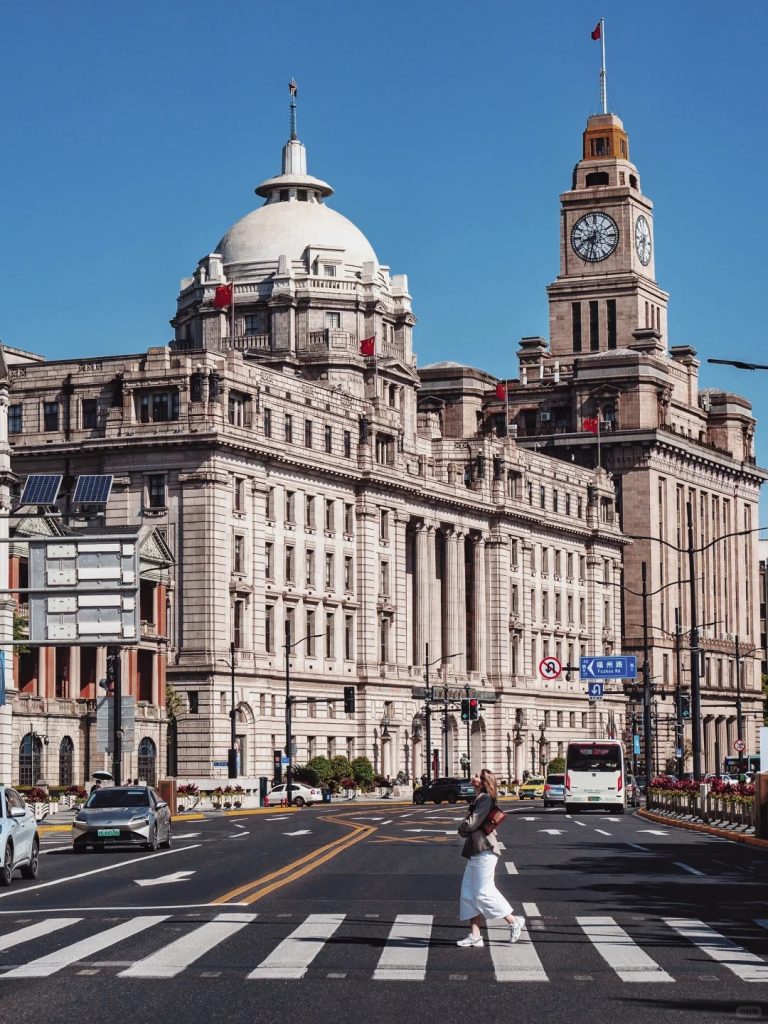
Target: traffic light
x=474 y=709
x=349 y=699
x=685 y=706
x=465 y=713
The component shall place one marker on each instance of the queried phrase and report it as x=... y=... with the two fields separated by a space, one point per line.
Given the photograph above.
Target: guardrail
x=709 y=808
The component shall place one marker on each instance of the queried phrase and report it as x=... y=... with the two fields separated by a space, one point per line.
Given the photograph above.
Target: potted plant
x=238 y=794
x=40 y=800
x=188 y=796
x=216 y=797
x=77 y=795
x=228 y=794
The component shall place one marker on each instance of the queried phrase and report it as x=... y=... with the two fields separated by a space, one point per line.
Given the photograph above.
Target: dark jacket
x=471 y=828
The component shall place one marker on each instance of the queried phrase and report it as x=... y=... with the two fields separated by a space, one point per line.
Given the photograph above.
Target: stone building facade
x=667 y=444
x=294 y=479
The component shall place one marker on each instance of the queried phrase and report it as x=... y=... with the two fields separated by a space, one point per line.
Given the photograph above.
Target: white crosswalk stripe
x=44 y=966
x=294 y=954
x=405 y=955
x=743 y=964
x=177 y=956
x=620 y=951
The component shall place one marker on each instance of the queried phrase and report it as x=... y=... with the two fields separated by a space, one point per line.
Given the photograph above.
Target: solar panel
x=41 y=489
x=92 y=490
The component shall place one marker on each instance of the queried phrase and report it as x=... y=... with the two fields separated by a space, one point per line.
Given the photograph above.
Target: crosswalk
x=407 y=948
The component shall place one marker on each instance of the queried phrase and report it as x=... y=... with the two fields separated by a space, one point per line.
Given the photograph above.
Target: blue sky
x=135 y=135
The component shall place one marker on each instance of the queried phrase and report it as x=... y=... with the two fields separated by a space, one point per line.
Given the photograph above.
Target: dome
x=287 y=229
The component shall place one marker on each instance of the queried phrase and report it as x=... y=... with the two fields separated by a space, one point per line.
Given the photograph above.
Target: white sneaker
x=517 y=929
x=470 y=940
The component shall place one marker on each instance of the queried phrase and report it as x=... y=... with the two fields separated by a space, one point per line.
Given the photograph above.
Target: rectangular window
x=90 y=413
x=594 y=326
x=238 y=554
x=238 y=494
x=307 y=433
x=311 y=511
x=384 y=579
x=611 y=323
x=542 y=497
x=558 y=608
x=290 y=507
x=570 y=608
x=15 y=419
x=330 y=624
x=269 y=629
x=271 y=503
x=347 y=444
x=569 y=565
x=384 y=639
x=514 y=553
x=349 y=574
x=159 y=406
x=309 y=564
x=269 y=560
x=267 y=423
x=251 y=325
x=329 y=572
x=330 y=516
x=156 y=491
x=289 y=563
x=567 y=504
x=349 y=637
x=555 y=501
x=329 y=270
x=311 y=630
x=193 y=700
x=289 y=428
x=384 y=525
x=576 y=325
x=515 y=599
x=328 y=434
x=239 y=409
x=237 y=624
x=349 y=519
x=333 y=321
x=582 y=567
x=50 y=415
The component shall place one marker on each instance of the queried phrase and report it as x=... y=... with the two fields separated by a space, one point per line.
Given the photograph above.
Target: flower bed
x=729 y=803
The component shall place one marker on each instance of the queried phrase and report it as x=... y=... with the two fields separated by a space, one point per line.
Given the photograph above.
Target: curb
x=723 y=833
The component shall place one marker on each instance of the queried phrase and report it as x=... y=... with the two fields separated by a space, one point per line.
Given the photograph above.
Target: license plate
x=595 y=799
x=107 y=833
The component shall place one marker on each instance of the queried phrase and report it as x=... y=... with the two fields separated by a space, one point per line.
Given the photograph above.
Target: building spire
x=293 y=89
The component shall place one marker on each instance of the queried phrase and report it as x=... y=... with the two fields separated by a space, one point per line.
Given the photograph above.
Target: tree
x=556 y=766
x=322 y=766
x=174 y=703
x=340 y=767
x=20 y=632
x=362 y=773
x=307 y=775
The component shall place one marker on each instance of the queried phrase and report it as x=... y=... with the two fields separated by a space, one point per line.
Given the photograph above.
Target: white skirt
x=479 y=894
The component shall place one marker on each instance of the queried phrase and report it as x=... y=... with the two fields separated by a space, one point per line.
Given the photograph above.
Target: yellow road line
x=261 y=887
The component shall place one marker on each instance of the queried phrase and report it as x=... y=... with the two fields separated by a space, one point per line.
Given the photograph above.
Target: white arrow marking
x=186 y=835
x=278 y=817
x=530 y=819
x=653 y=831
x=588 y=669
x=301 y=832
x=237 y=826
x=442 y=832
x=613 y=819
x=238 y=835
x=552 y=831
x=177 y=876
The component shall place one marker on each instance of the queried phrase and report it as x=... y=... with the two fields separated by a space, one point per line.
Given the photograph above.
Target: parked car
x=533 y=787
x=19 y=841
x=122 y=816
x=448 y=789
x=554 y=790
x=301 y=794
x=633 y=791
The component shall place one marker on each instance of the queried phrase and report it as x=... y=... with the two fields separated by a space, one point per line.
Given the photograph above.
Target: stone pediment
x=37 y=526
x=154 y=553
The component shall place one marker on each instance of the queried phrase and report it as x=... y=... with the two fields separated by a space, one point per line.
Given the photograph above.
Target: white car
x=19 y=841
x=300 y=794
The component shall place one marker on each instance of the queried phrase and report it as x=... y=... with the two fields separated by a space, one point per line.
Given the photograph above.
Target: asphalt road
x=350 y=911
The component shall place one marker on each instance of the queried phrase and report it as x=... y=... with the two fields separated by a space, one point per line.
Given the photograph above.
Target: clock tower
x=605 y=296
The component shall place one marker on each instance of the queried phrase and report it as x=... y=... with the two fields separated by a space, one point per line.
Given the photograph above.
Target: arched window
x=148 y=761
x=30 y=754
x=66 y=762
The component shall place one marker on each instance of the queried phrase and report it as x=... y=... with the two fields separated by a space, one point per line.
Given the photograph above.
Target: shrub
x=309 y=776
x=362 y=772
x=322 y=766
x=347 y=783
x=187 y=789
x=38 y=795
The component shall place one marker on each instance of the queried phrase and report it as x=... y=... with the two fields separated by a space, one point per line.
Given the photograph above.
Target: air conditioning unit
x=545 y=416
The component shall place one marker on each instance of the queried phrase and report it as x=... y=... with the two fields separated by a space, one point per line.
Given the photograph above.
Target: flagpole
x=232 y=316
x=506 y=409
x=599 y=463
x=375 y=369
x=603 y=74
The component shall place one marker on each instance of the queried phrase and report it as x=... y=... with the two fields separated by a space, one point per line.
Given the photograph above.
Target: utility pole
x=695 y=666
x=445 y=727
x=647 y=721
x=114 y=662
x=288 y=706
x=232 y=755
x=739 y=720
x=428 y=711
x=679 y=722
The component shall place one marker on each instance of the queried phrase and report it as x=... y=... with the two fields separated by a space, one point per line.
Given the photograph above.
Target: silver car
x=122 y=816
x=19 y=841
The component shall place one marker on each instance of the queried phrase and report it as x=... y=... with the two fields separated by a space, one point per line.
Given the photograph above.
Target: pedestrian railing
x=710 y=808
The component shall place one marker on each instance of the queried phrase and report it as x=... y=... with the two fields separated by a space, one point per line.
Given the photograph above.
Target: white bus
x=594 y=776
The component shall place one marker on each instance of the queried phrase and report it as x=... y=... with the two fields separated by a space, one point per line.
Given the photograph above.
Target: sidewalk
x=737 y=834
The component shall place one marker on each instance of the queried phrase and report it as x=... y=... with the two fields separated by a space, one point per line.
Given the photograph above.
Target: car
x=19 y=840
x=632 y=790
x=533 y=787
x=450 y=789
x=122 y=816
x=301 y=794
x=554 y=790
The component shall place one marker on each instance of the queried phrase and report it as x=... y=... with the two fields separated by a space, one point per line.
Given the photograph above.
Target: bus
x=594 y=776
x=745 y=763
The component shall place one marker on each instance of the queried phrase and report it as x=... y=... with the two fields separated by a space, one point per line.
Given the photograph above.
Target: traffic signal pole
x=647 y=720
x=695 y=666
x=679 y=721
x=288 y=709
x=113 y=660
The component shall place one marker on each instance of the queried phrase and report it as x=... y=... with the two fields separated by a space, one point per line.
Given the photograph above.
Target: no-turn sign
x=739 y=745
x=550 y=668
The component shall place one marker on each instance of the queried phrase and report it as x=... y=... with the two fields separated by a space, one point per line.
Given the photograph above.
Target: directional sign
x=595 y=690
x=739 y=745
x=603 y=667
x=550 y=668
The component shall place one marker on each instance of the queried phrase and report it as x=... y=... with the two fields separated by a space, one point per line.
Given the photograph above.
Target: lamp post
x=232 y=766
x=289 y=752
x=739 y=712
x=428 y=708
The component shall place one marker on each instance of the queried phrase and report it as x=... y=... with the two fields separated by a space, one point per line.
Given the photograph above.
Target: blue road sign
x=284 y=761
x=636 y=744
x=616 y=666
x=595 y=691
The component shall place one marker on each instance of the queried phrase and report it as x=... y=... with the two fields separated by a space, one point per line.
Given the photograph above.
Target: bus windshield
x=594 y=757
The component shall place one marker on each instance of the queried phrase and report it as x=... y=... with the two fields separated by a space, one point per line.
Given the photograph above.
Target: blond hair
x=488 y=782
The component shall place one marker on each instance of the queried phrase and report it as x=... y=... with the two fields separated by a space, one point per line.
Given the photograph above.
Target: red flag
x=596 y=33
x=368 y=347
x=293 y=89
x=501 y=391
x=223 y=296
x=590 y=424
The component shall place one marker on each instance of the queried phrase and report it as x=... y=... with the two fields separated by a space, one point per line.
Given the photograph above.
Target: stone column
x=478 y=605
x=73 y=683
x=435 y=598
x=451 y=637
x=461 y=621
x=498 y=594
x=399 y=583
x=422 y=594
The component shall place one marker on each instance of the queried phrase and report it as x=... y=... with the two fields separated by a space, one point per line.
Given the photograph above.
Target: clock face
x=594 y=236
x=643 y=240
